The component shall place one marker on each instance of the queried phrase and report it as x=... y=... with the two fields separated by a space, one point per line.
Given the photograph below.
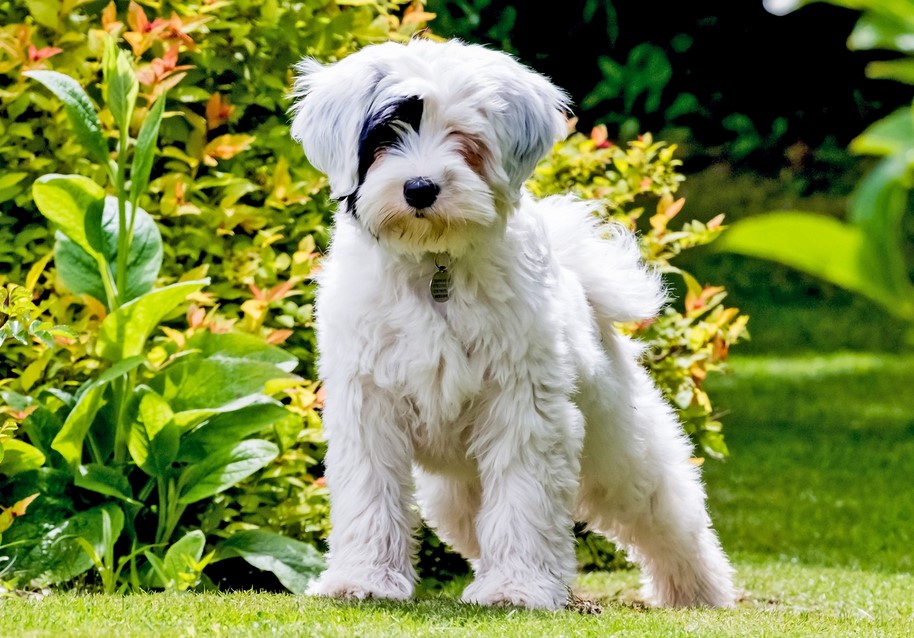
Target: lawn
x=815 y=506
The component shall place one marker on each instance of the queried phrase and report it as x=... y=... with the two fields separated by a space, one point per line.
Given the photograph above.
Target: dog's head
x=426 y=144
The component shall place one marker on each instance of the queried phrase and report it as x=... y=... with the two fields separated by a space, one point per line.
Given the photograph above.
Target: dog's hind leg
x=450 y=506
x=640 y=488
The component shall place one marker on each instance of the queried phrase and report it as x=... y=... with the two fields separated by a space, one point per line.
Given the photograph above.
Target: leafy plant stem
x=133 y=205
x=123 y=233
x=173 y=511
x=110 y=288
x=123 y=390
x=163 y=509
x=93 y=449
x=147 y=490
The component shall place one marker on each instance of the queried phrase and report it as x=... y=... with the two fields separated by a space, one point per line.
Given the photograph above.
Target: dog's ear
x=331 y=103
x=529 y=120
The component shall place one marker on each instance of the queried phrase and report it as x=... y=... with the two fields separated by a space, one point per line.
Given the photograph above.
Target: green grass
x=822 y=465
x=815 y=505
x=785 y=600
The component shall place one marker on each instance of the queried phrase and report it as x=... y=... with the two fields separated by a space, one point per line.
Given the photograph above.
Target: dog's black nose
x=420 y=192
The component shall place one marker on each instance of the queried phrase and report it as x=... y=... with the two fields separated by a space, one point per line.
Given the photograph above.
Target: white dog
x=468 y=348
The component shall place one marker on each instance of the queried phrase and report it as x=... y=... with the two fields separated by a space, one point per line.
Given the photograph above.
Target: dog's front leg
x=527 y=449
x=369 y=464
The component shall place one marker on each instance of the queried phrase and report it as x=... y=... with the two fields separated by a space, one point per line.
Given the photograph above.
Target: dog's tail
x=605 y=258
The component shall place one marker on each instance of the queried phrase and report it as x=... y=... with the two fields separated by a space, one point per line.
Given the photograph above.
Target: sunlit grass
x=816 y=506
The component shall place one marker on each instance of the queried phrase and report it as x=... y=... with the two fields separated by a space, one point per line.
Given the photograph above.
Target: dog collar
x=440 y=284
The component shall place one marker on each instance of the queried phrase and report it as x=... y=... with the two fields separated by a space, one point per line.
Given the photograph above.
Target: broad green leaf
x=837 y=252
x=104 y=480
x=51 y=508
x=144 y=154
x=240 y=345
x=225 y=430
x=42 y=426
x=223 y=470
x=19 y=457
x=182 y=555
x=154 y=438
x=890 y=135
x=69 y=441
x=163 y=450
x=145 y=257
x=194 y=383
x=294 y=563
x=154 y=412
x=75 y=204
x=187 y=420
x=124 y=332
x=59 y=555
x=80 y=111
x=78 y=269
x=120 y=83
x=878 y=207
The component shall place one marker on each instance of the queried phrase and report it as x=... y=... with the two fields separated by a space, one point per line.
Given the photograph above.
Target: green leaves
x=890 y=135
x=120 y=83
x=222 y=470
x=816 y=244
x=144 y=154
x=18 y=457
x=69 y=441
x=294 y=563
x=866 y=255
x=182 y=566
x=87 y=241
x=80 y=112
x=154 y=438
x=104 y=480
x=85 y=272
x=206 y=384
x=75 y=204
x=60 y=556
x=235 y=425
x=125 y=331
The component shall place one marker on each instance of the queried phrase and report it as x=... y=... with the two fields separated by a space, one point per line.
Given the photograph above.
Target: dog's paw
x=495 y=590
x=361 y=586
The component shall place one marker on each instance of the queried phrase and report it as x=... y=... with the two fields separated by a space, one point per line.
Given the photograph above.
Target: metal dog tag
x=440 y=285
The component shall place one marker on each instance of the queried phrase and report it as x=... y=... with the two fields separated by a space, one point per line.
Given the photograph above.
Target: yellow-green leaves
x=125 y=331
x=74 y=203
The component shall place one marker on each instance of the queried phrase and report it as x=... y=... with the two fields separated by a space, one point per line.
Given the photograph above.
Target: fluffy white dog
x=467 y=343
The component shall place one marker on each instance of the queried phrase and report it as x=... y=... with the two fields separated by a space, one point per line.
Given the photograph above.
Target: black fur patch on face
x=379 y=130
x=349 y=201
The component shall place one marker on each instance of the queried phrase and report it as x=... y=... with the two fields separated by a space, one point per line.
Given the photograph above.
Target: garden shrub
x=236 y=202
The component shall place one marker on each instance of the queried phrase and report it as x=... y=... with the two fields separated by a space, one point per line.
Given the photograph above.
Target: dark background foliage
x=735 y=58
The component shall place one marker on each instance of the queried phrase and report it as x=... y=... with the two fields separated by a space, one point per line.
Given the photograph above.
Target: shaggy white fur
x=514 y=407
